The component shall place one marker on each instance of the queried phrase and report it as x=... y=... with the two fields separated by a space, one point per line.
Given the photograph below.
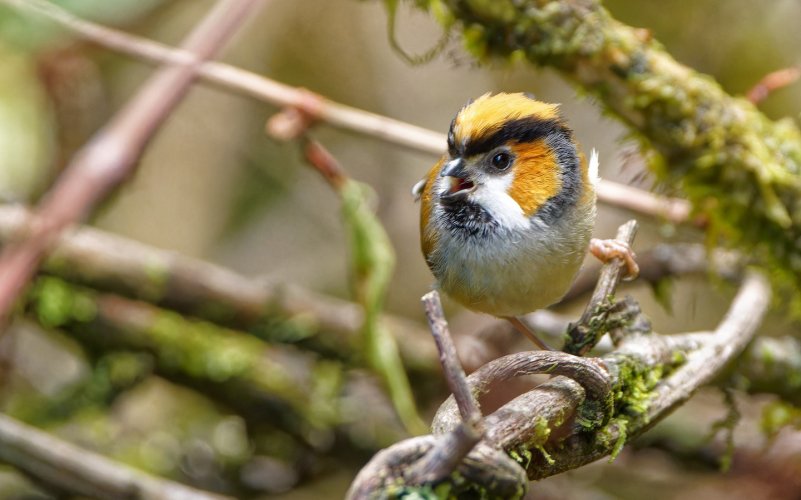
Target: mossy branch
x=590 y=410
x=739 y=169
x=275 y=312
x=254 y=379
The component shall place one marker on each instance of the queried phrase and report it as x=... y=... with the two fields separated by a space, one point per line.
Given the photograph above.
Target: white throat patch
x=492 y=193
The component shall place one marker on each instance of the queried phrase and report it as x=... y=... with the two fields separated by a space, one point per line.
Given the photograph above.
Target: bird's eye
x=501 y=161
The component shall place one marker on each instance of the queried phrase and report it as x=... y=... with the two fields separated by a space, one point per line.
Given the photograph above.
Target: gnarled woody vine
x=588 y=410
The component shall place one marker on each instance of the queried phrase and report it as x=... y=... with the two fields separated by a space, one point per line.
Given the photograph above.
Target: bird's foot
x=606 y=250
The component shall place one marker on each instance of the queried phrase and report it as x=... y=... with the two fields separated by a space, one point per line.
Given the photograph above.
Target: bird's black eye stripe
x=520 y=130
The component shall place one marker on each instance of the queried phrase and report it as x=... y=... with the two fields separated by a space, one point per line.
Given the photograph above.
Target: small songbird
x=506 y=215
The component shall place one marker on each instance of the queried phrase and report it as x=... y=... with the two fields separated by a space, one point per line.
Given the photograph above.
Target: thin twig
x=78 y=471
x=674 y=210
x=111 y=156
x=251 y=84
x=319 y=108
x=371 y=265
x=454 y=373
x=446 y=454
x=581 y=336
x=771 y=82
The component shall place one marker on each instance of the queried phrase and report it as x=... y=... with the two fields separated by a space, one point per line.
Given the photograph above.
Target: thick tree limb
x=111 y=156
x=81 y=472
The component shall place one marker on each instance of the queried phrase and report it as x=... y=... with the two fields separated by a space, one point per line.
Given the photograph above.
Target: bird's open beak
x=459 y=184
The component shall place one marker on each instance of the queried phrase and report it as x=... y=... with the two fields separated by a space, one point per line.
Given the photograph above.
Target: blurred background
x=213 y=186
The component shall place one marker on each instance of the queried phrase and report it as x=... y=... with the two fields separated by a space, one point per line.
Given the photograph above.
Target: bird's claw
x=606 y=250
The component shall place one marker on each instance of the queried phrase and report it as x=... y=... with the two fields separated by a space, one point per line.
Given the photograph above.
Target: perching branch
x=111 y=156
x=592 y=324
x=70 y=468
x=571 y=421
x=666 y=261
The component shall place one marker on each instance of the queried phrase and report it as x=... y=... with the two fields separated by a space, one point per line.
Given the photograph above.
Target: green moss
x=56 y=303
x=630 y=399
x=521 y=456
x=778 y=415
x=614 y=435
x=545 y=454
x=727 y=425
x=199 y=349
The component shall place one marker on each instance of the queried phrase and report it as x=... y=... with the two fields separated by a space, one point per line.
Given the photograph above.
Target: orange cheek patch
x=536 y=176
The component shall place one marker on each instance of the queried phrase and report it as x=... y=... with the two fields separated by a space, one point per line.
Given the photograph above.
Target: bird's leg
x=606 y=250
x=525 y=330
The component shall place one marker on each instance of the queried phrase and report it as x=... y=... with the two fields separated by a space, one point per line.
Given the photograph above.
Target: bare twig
x=454 y=373
x=771 y=82
x=675 y=210
x=449 y=451
x=111 y=155
x=317 y=107
x=242 y=81
x=81 y=472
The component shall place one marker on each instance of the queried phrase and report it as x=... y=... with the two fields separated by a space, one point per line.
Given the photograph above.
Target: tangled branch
x=588 y=410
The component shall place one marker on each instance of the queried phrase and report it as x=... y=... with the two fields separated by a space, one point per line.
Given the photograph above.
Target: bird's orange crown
x=518 y=121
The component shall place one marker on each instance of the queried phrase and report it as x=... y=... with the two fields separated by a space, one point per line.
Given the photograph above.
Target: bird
x=507 y=214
